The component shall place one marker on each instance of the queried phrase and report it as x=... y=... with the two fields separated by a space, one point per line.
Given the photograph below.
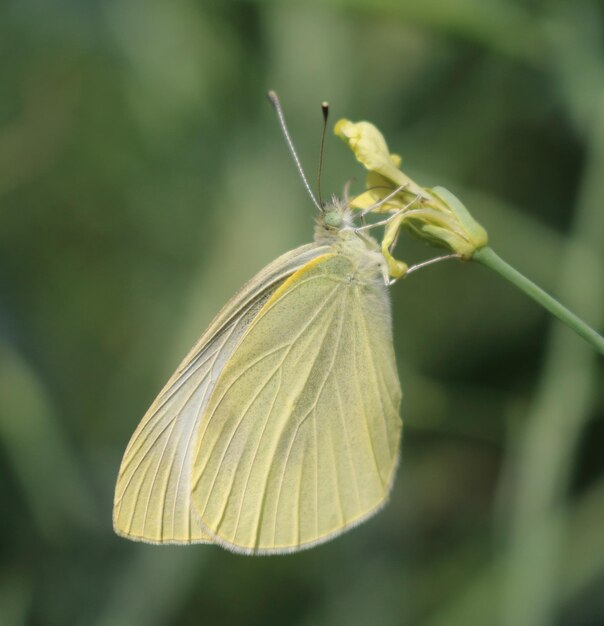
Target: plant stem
x=493 y=261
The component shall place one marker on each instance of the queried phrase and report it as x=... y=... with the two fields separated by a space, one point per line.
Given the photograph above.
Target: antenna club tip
x=273 y=97
x=325 y=110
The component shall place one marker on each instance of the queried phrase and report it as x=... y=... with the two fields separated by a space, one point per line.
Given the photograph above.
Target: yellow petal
x=397 y=269
x=370 y=149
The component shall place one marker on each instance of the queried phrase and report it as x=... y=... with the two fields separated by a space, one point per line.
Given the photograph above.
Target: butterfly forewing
x=153 y=491
x=300 y=437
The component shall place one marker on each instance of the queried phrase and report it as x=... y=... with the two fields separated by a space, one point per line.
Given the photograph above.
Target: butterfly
x=280 y=429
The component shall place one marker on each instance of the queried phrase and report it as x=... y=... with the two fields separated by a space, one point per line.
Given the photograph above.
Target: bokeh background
x=143 y=179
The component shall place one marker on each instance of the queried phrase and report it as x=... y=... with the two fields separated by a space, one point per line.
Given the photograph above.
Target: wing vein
x=376 y=380
x=145 y=454
x=292 y=440
x=304 y=418
x=247 y=480
x=154 y=480
x=180 y=473
x=177 y=385
x=347 y=440
x=330 y=374
x=220 y=400
x=364 y=408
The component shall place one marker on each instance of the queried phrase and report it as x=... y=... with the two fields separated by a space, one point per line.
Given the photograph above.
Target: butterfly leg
x=419 y=266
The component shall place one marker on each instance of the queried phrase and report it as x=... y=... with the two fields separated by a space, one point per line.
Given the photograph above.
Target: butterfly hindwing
x=300 y=437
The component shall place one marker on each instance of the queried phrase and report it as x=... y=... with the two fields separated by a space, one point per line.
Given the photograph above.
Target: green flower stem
x=493 y=261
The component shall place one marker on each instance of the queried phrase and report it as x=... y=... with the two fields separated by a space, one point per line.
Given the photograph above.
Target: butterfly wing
x=301 y=434
x=153 y=491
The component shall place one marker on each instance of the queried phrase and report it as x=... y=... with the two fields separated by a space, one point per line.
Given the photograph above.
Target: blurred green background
x=143 y=179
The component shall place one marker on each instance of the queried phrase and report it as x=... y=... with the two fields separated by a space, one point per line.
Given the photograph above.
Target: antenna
x=274 y=100
x=325 y=110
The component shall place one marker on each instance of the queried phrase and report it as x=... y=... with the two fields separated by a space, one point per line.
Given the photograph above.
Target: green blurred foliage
x=143 y=179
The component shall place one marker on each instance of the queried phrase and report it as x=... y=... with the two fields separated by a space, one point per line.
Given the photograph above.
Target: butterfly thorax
x=335 y=227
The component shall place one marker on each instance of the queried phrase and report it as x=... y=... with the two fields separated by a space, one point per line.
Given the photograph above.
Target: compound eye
x=333 y=219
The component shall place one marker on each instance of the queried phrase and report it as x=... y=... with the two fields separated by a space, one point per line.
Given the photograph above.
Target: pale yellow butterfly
x=281 y=428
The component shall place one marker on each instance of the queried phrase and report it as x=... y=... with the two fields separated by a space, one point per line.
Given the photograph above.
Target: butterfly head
x=335 y=216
